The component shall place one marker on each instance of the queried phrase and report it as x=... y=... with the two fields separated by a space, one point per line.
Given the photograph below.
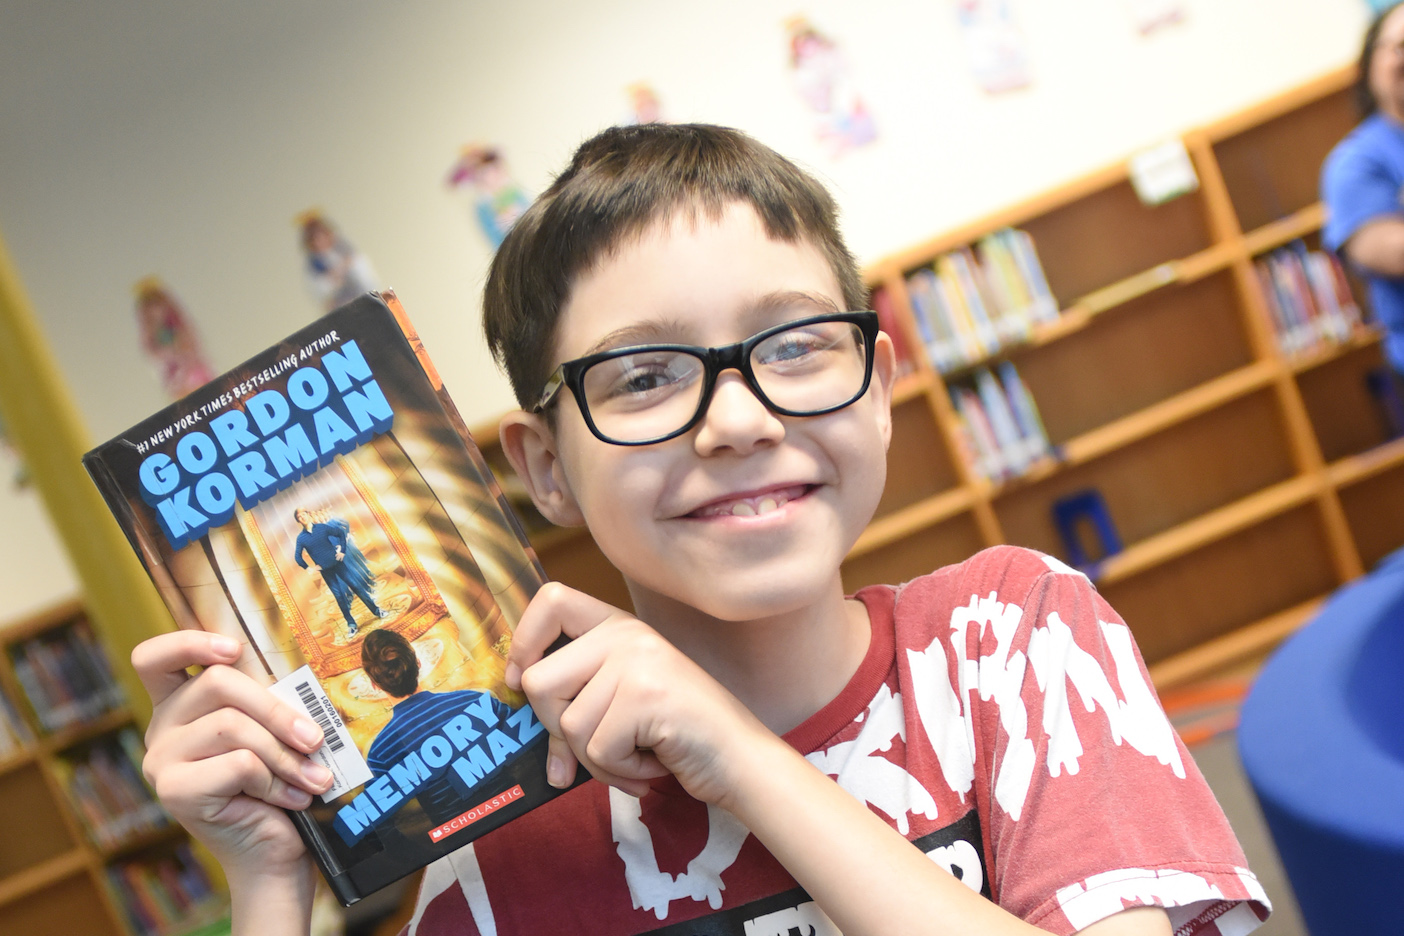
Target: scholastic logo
x=476 y=813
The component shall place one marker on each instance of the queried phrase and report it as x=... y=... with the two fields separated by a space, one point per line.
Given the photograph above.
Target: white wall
x=180 y=139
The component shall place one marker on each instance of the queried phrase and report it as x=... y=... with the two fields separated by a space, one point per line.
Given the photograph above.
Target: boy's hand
x=623 y=701
x=224 y=755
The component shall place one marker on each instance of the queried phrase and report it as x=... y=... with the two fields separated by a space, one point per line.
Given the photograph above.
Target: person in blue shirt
x=1362 y=179
x=390 y=663
x=343 y=568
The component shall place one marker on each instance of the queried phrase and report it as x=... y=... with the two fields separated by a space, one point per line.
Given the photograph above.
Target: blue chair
x=1322 y=742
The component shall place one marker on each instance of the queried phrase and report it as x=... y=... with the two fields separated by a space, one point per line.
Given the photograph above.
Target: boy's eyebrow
x=638 y=333
x=667 y=330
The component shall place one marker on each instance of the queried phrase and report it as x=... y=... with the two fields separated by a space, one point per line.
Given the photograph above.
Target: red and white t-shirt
x=1002 y=721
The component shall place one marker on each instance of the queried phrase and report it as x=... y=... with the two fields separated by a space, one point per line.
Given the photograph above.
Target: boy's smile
x=748 y=514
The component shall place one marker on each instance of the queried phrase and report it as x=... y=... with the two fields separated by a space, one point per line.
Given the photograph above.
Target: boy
x=674 y=316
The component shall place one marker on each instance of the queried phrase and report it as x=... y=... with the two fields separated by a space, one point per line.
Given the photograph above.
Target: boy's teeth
x=751 y=507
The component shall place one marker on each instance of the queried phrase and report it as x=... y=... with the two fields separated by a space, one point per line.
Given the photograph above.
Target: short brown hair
x=389 y=661
x=619 y=182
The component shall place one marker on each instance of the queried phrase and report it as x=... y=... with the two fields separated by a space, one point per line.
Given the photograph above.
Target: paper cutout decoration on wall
x=842 y=119
x=10 y=457
x=644 y=105
x=169 y=339
x=994 y=44
x=481 y=172
x=1150 y=15
x=336 y=271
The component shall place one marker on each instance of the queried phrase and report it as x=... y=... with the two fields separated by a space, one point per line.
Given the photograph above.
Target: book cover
x=323 y=504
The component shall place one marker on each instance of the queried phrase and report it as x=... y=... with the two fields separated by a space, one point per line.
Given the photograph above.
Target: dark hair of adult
x=1364 y=94
x=390 y=662
x=619 y=183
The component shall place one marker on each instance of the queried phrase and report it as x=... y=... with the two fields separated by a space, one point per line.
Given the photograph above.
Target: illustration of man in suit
x=327 y=543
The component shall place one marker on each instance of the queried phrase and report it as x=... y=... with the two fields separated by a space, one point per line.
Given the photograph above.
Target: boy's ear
x=530 y=446
x=884 y=376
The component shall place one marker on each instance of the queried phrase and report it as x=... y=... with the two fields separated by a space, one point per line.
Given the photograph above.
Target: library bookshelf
x=54 y=871
x=1246 y=482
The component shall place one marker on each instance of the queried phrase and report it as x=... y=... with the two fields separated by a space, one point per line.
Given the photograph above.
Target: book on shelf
x=887 y=321
x=999 y=423
x=65 y=676
x=104 y=782
x=324 y=505
x=15 y=735
x=972 y=301
x=164 y=894
x=1308 y=298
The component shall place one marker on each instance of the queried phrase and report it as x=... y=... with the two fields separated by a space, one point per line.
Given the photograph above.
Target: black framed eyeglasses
x=651 y=393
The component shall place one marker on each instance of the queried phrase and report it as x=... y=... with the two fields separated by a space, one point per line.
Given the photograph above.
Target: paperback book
x=324 y=504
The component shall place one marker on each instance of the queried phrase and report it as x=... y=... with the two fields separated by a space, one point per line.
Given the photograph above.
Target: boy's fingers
x=203 y=789
x=560 y=763
x=161 y=661
x=224 y=687
x=229 y=729
x=556 y=610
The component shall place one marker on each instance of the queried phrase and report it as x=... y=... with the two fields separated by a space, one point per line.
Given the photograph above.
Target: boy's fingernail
x=513 y=676
x=225 y=646
x=555 y=771
x=316 y=774
x=306 y=732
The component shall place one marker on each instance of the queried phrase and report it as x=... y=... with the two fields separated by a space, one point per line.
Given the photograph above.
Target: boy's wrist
x=271 y=901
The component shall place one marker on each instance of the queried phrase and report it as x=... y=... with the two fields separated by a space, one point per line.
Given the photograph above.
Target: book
x=65 y=676
x=324 y=505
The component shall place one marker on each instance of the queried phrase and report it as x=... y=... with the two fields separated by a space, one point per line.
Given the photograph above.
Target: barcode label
x=319 y=715
x=338 y=752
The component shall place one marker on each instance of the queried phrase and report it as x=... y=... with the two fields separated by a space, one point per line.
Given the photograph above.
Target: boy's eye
x=636 y=380
x=801 y=346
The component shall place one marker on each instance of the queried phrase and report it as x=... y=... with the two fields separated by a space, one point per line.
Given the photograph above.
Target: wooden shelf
x=1363 y=337
x=1167 y=413
x=76 y=734
x=1356 y=468
x=902 y=523
x=1208 y=528
x=26 y=882
x=1082 y=312
x=46 y=817
x=16 y=760
x=1290 y=228
x=1188 y=375
x=142 y=840
x=1241 y=645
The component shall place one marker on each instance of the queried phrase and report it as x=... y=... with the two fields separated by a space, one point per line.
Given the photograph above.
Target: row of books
x=973 y=301
x=165 y=895
x=104 y=782
x=999 y=422
x=66 y=676
x=14 y=733
x=1308 y=297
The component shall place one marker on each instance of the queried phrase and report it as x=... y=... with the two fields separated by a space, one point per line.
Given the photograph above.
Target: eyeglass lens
x=651 y=393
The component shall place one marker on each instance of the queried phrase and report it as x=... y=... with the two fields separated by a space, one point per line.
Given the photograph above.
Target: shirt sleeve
x=1357 y=186
x=1094 y=804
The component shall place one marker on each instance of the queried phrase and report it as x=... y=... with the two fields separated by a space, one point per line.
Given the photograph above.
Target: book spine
x=887 y=321
x=1021 y=246
x=1011 y=443
x=990 y=462
x=1026 y=414
x=969 y=289
x=962 y=322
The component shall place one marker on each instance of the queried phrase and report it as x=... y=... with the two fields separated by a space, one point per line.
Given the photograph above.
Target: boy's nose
x=736 y=418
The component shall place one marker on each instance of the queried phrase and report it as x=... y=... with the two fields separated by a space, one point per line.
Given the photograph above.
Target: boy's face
x=667 y=514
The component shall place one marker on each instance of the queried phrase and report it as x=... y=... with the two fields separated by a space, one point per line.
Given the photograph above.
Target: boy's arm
x=224 y=756
x=629 y=706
